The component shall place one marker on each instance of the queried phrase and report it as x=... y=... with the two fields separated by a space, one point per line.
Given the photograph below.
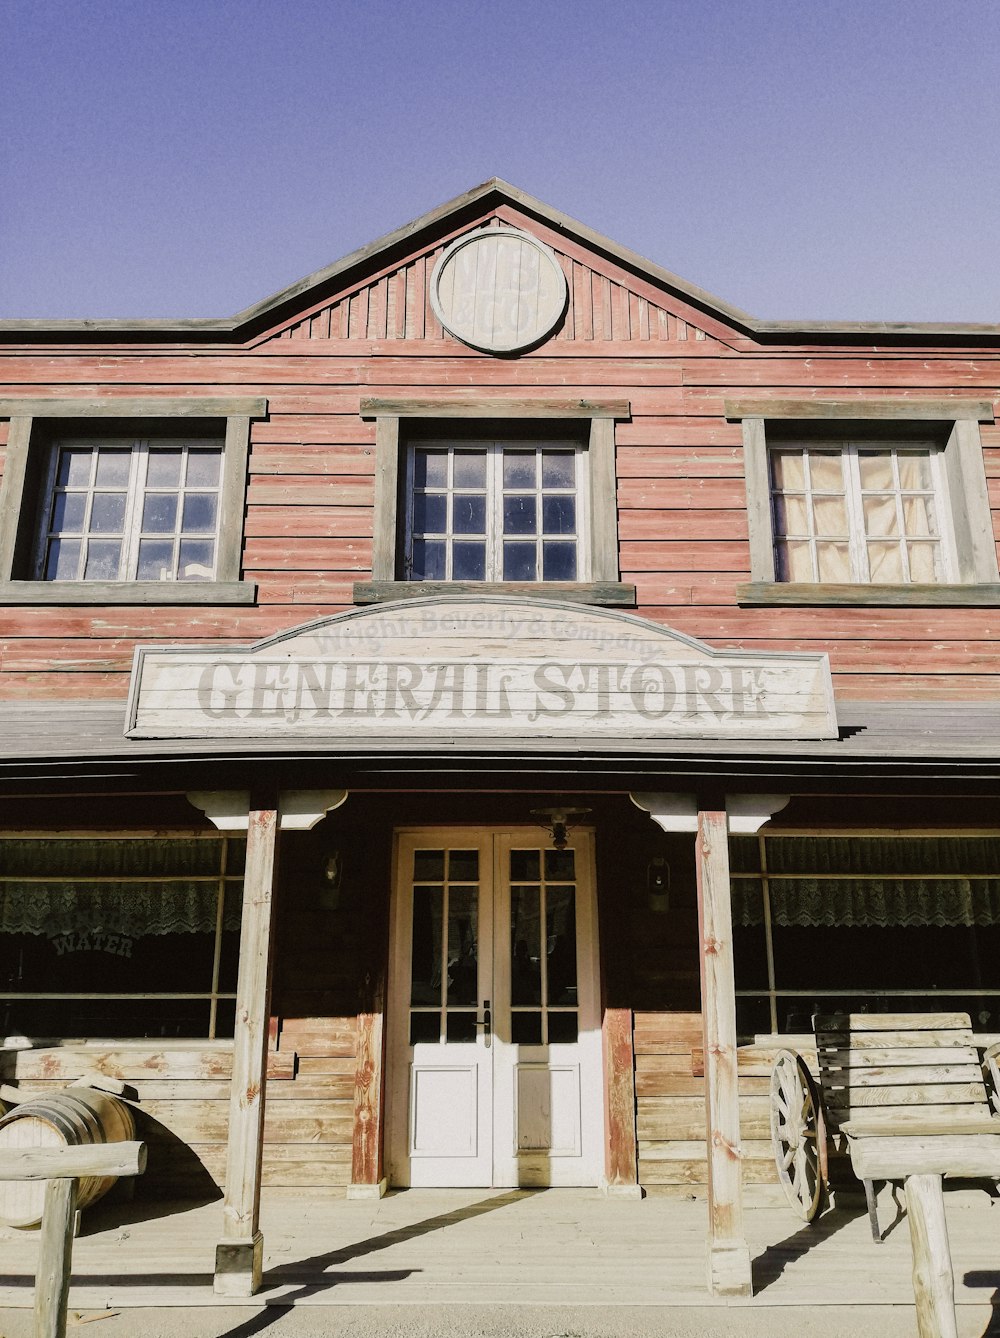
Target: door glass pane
x=560 y=917
x=525 y=866
x=560 y=866
x=426 y=952
x=461 y=1027
x=425 y=1027
x=563 y=1028
x=525 y=945
x=463 y=971
x=463 y=866
x=428 y=866
x=526 y=1028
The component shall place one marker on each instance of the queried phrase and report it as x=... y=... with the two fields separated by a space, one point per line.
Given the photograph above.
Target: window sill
x=780 y=592
x=612 y=593
x=127 y=592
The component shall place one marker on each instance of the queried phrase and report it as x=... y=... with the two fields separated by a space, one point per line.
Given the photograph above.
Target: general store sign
x=475 y=669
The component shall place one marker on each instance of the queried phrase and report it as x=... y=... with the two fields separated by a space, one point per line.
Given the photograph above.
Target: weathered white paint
x=299 y=810
x=499 y=290
x=479 y=668
x=747 y=813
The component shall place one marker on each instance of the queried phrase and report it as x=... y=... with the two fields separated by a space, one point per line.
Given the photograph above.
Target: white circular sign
x=499 y=290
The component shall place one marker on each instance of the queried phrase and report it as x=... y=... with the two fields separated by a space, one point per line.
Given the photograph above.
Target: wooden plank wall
x=670 y=1101
x=682 y=513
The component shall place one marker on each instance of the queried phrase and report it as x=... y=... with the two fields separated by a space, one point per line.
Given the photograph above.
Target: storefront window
x=864 y=924
x=119 y=937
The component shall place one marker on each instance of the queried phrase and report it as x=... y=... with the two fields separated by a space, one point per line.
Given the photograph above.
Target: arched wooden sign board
x=478 y=669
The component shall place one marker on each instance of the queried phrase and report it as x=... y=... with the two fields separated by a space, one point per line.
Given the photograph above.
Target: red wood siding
x=681 y=493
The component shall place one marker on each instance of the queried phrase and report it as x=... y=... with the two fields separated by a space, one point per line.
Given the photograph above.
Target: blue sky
x=826 y=159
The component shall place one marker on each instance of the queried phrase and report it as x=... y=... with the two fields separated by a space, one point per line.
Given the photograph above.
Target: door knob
x=486 y=1022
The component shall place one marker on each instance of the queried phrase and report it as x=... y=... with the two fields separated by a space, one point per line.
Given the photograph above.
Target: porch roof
x=889 y=740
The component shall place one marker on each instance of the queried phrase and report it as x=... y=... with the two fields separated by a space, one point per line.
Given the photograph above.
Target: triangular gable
x=606 y=303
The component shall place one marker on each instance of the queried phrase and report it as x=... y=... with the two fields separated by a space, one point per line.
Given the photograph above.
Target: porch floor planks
x=495 y=1247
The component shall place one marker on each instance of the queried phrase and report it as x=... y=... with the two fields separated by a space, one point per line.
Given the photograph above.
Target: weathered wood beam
x=729 y=1254
x=55 y=1259
x=72 y=1161
x=621 y=1155
x=933 y=1276
x=239 y=1255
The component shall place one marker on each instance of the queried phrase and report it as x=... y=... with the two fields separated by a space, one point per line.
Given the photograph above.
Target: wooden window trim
x=969 y=514
x=604 y=585
x=27 y=418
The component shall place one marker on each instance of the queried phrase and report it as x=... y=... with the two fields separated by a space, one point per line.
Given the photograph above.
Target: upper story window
x=125 y=501
x=884 y=507
x=860 y=512
x=495 y=511
x=118 y=509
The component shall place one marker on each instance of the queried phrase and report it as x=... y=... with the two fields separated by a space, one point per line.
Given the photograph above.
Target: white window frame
x=135 y=496
x=857 y=537
x=495 y=492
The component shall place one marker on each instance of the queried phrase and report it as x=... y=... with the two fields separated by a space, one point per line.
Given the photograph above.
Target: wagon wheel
x=798 y=1135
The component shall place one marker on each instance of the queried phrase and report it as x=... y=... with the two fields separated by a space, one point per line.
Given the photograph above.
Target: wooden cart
x=904 y=1075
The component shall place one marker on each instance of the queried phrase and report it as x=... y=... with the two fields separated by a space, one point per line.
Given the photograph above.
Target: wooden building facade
x=454 y=713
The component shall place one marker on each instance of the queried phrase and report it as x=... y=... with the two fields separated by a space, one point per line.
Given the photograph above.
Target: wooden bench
x=907 y=1092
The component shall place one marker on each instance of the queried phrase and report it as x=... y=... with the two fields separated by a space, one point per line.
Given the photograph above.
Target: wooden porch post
x=729 y=1254
x=239 y=1255
x=729 y=1271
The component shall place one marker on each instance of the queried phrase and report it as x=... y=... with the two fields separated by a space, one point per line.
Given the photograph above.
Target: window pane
x=925 y=562
x=430 y=512
x=425 y=954
x=563 y=1028
x=428 y=866
x=880 y=515
x=885 y=562
x=787 y=469
x=559 y=562
x=525 y=945
x=470 y=469
x=428 y=562
x=526 y=1028
x=560 y=866
x=159 y=513
x=834 y=561
x=525 y=865
x=826 y=470
x=559 y=515
x=156 y=560
x=430 y=469
x=791 y=514
x=468 y=513
x=830 y=516
x=463 y=970
x=113 y=468
x=74 y=467
x=68 y=511
x=199 y=513
x=519 y=562
x=919 y=517
x=103 y=559
x=463 y=864
x=197 y=560
x=793 y=561
x=468 y=562
x=203 y=468
x=560 y=914
x=558 y=469
x=519 y=469
x=876 y=469
x=107 y=515
x=425 y=1027
x=164 y=469
x=63 y=560
x=461 y=1027
x=914 y=469
x=519 y=515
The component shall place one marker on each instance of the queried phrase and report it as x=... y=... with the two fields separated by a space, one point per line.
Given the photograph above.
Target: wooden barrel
x=82 y=1115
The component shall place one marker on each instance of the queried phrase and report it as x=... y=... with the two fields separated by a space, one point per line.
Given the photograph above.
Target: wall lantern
x=331 y=879
x=558 y=822
x=658 y=885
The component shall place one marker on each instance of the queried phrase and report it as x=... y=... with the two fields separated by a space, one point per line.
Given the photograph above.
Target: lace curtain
x=938 y=893
x=159 y=887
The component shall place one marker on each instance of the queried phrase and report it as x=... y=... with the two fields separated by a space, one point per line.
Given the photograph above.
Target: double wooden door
x=494 y=1074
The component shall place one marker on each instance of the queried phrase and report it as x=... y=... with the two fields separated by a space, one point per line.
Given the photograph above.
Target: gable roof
x=466 y=210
